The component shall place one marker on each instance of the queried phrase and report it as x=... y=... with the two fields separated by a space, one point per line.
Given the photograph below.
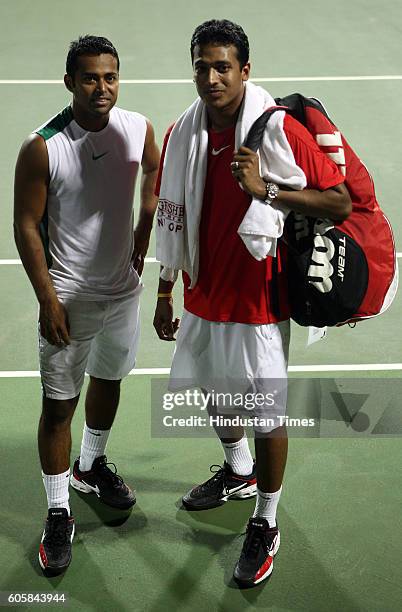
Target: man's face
x=96 y=84
x=218 y=76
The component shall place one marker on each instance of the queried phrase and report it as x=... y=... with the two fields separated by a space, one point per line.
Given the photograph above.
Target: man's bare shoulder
x=34 y=143
x=33 y=153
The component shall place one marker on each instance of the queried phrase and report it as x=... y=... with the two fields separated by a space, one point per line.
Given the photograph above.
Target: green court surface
x=340 y=513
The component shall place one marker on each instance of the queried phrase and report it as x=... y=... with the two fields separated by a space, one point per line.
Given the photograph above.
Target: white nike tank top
x=89 y=213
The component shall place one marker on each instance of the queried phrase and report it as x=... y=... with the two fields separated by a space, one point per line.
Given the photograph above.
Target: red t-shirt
x=232 y=286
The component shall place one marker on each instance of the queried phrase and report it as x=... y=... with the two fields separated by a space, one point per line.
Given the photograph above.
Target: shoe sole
x=252 y=583
x=245 y=493
x=54 y=571
x=85 y=488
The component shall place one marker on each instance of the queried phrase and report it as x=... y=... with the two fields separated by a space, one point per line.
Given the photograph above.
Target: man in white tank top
x=74 y=188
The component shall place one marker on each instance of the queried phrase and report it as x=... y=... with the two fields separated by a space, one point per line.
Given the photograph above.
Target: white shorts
x=104 y=339
x=233 y=358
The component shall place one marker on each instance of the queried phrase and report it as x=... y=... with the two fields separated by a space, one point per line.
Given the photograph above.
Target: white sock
x=266 y=505
x=238 y=456
x=92 y=446
x=56 y=487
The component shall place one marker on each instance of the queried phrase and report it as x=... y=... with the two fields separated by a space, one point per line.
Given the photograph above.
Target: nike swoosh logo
x=95 y=489
x=274 y=541
x=94 y=434
x=234 y=489
x=217 y=151
x=95 y=157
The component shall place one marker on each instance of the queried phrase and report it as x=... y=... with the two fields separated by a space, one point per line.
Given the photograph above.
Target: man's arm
x=334 y=203
x=149 y=201
x=163 y=319
x=30 y=196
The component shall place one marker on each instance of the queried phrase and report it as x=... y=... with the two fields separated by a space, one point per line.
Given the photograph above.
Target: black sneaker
x=55 y=546
x=257 y=556
x=223 y=485
x=107 y=485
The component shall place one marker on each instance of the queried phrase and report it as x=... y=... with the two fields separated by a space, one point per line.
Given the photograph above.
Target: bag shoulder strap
x=254 y=137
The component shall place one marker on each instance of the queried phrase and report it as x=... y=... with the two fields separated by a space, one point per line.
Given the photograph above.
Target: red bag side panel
x=366 y=224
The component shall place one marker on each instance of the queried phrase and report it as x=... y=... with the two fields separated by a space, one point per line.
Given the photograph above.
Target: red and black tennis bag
x=339 y=271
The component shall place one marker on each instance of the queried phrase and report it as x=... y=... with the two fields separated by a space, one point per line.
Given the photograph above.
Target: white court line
x=36 y=373
x=381 y=77
x=17 y=262
x=362 y=367
x=351 y=367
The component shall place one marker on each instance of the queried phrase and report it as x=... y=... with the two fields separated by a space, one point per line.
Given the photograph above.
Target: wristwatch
x=272 y=191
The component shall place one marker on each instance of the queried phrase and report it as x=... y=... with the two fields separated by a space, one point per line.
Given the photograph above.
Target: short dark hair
x=88 y=45
x=225 y=32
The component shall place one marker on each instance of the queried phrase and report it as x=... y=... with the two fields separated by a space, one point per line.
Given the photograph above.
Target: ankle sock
x=266 y=505
x=238 y=456
x=56 y=487
x=92 y=446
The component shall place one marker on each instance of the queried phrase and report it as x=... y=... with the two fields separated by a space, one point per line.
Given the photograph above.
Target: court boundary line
x=18 y=262
x=379 y=77
x=350 y=367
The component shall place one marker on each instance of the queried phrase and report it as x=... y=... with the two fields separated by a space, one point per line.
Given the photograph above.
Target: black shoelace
x=254 y=539
x=106 y=473
x=218 y=479
x=57 y=531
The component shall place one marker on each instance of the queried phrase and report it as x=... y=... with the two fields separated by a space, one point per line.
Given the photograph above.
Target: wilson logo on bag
x=339 y=271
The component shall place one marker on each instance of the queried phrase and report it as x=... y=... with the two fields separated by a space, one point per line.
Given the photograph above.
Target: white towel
x=183 y=179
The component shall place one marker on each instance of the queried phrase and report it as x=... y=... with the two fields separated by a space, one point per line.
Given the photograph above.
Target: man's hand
x=149 y=201
x=334 y=202
x=246 y=169
x=142 y=235
x=163 y=319
x=53 y=322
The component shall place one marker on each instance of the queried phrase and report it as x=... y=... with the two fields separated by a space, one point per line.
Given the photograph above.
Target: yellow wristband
x=166 y=295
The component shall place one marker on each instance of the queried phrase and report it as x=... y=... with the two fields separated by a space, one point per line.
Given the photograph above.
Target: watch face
x=272 y=192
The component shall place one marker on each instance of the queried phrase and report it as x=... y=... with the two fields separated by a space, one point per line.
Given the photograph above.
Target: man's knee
x=57 y=414
x=270 y=437
x=103 y=382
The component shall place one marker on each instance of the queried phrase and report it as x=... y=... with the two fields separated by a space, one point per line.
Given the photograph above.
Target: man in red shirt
x=236 y=318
